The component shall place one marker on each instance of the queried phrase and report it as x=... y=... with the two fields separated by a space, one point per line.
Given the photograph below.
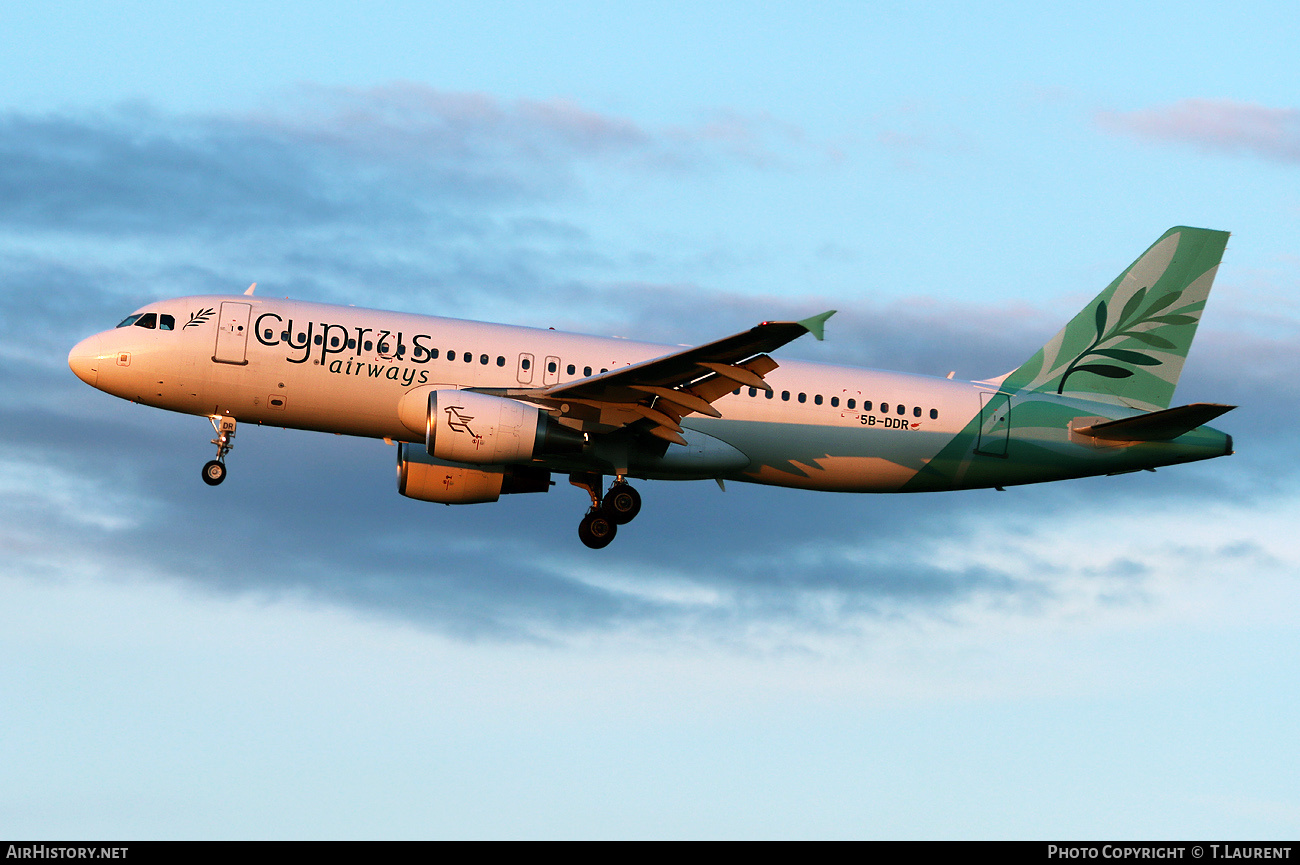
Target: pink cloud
x=1214 y=124
x=415 y=118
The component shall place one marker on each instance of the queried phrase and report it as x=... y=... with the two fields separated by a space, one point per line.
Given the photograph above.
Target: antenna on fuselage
x=249 y=291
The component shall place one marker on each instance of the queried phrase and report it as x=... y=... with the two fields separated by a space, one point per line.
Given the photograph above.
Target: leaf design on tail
x=1125 y=327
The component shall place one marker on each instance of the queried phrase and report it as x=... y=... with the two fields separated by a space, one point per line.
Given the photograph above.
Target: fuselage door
x=232 y=333
x=995 y=424
x=525 y=369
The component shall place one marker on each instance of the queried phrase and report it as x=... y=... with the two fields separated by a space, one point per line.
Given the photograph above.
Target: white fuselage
x=368 y=373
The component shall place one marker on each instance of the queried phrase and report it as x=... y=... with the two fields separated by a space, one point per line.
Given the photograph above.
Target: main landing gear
x=620 y=506
x=214 y=471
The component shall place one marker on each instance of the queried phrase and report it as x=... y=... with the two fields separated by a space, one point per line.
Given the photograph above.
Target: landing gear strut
x=620 y=506
x=214 y=471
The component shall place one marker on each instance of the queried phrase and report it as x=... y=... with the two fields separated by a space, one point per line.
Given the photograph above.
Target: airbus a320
x=479 y=411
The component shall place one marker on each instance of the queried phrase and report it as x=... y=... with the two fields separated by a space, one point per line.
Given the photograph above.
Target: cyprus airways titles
x=483 y=410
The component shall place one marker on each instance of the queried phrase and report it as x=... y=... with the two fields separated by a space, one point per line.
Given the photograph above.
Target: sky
x=303 y=653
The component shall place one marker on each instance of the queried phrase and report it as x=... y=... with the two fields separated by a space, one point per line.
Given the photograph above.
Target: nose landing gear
x=619 y=507
x=214 y=471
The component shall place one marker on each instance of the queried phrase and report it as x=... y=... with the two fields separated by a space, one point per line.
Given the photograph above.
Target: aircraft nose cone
x=84 y=360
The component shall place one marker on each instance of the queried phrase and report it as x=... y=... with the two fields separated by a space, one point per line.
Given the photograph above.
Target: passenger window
x=129 y=320
x=916 y=412
x=884 y=408
x=603 y=370
x=586 y=372
x=334 y=342
x=803 y=397
x=483 y=359
x=168 y=322
x=866 y=404
x=149 y=320
x=433 y=355
x=468 y=356
x=835 y=402
x=352 y=343
x=736 y=392
x=573 y=370
x=785 y=395
x=401 y=349
x=369 y=345
x=934 y=414
x=318 y=340
x=769 y=394
x=902 y=410
x=526 y=364
x=753 y=391
x=451 y=355
x=501 y=361
x=818 y=399
x=551 y=367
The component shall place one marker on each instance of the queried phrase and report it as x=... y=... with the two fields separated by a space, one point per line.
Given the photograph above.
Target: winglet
x=250 y=289
x=817 y=324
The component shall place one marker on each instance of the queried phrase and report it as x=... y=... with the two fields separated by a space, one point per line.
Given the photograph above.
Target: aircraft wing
x=663 y=390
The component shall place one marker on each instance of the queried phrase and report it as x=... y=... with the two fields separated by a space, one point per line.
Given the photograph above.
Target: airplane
x=478 y=410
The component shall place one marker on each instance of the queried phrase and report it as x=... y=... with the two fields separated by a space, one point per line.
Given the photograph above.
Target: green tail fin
x=1128 y=345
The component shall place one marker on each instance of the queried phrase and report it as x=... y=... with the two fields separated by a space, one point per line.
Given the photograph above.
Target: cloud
x=418 y=124
x=912 y=134
x=1216 y=125
x=399 y=154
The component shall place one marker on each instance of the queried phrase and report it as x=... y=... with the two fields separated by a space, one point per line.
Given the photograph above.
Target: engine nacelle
x=467 y=427
x=420 y=476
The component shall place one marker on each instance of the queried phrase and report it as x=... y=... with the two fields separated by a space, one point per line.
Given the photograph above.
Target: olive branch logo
x=1124 y=327
x=199 y=317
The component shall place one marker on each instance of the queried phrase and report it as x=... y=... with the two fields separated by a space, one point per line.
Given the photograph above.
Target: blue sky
x=303 y=653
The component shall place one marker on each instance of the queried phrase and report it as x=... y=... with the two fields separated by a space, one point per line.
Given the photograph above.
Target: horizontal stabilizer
x=1157 y=426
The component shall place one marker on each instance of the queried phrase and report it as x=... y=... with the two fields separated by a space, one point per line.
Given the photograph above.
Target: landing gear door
x=995 y=424
x=232 y=333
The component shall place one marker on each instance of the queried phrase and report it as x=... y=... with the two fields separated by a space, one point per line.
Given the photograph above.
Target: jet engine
x=420 y=476
x=467 y=427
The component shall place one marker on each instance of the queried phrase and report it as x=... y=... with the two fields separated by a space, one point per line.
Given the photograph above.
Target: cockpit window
x=150 y=320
